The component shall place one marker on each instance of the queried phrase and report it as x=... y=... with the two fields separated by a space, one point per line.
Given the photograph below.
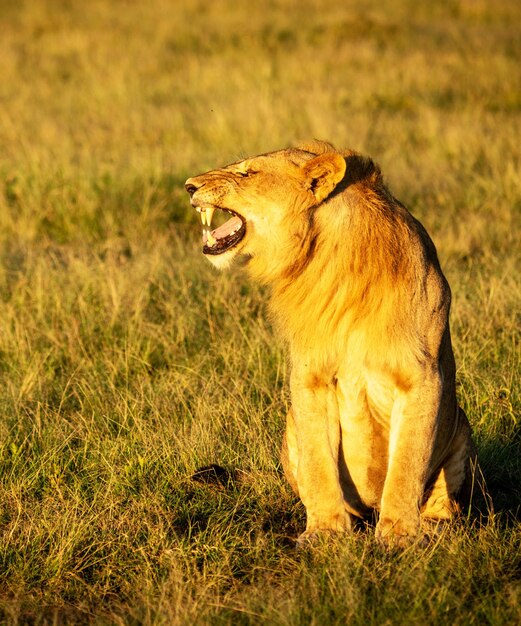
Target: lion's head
x=269 y=197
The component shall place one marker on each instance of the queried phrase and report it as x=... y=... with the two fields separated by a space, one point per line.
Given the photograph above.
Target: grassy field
x=127 y=362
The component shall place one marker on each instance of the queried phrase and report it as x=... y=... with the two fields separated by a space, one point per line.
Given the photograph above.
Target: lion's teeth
x=209 y=215
x=209 y=239
x=203 y=216
x=198 y=209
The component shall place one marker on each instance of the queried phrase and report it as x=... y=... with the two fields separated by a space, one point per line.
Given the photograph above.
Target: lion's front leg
x=413 y=426
x=317 y=434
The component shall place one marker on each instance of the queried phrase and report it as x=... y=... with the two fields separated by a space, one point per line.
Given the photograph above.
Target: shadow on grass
x=219 y=493
x=501 y=465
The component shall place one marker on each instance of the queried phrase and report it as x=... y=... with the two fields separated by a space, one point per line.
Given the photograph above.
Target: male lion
x=359 y=297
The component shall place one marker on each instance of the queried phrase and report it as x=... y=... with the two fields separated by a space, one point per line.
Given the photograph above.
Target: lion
x=359 y=298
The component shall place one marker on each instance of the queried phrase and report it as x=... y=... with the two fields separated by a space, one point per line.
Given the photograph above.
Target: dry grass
x=126 y=362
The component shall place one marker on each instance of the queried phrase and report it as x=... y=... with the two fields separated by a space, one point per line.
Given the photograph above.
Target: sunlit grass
x=127 y=362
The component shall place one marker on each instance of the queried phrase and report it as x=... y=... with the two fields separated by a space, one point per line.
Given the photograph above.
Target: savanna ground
x=127 y=362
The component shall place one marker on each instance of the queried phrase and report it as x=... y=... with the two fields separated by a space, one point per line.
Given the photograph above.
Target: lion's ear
x=323 y=173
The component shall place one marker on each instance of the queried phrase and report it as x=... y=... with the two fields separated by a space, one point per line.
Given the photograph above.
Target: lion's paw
x=314 y=538
x=399 y=535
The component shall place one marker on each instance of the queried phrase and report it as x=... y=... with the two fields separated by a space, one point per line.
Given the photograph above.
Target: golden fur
x=358 y=295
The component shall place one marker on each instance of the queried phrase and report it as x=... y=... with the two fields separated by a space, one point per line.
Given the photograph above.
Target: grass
x=126 y=362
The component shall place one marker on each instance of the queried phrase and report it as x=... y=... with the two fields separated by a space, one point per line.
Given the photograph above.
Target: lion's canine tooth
x=209 y=214
x=210 y=240
x=203 y=216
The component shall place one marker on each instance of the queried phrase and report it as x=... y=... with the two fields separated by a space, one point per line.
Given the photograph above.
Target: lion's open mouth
x=224 y=236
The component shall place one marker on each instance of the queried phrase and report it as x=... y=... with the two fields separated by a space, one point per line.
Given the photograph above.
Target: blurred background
x=169 y=86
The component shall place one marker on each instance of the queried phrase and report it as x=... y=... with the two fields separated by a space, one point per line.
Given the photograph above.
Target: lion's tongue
x=228 y=228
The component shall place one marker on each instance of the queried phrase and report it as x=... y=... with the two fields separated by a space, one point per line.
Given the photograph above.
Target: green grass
x=127 y=362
